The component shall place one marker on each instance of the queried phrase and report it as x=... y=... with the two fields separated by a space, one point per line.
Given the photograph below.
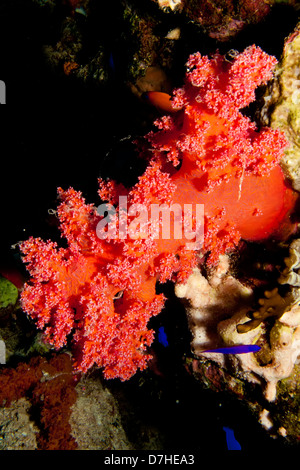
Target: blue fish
x=162 y=337
x=240 y=349
x=111 y=62
x=232 y=443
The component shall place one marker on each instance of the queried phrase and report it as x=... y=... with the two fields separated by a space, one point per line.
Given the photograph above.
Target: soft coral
x=103 y=289
x=226 y=163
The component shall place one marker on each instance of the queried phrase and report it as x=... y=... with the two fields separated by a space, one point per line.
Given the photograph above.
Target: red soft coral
x=101 y=288
x=76 y=290
x=227 y=164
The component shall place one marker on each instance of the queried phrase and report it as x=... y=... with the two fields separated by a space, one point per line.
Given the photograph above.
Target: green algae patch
x=8 y=293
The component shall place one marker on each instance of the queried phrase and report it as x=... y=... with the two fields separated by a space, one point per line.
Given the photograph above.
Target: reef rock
x=95 y=420
x=222 y=19
x=18 y=431
x=281 y=108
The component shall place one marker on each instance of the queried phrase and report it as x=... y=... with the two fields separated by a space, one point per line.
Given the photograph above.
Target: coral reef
x=101 y=288
x=213 y=161
x=270 y=320
x=95 y=421
x=97 y=295
x=172 y=4
x=141 y=33
x=81 y=288
x=208 y=301
x=290 y=274
x=218 y=312
x=276 y=359
x=274 y=303
x=45 y=406
x=281 y=105
x=69 y=57
x=49 y=386
x=221 y=19
x=18 y=432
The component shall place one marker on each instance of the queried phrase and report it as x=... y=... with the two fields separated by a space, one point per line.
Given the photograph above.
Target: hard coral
x=281 y=105
x=101 y=288
x=217 y=306
x=273 y=304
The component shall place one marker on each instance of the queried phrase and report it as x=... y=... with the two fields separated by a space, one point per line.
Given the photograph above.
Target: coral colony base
x=99 y=291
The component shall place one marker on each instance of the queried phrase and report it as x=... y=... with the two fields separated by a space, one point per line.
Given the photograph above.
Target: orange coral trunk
x=257 y=206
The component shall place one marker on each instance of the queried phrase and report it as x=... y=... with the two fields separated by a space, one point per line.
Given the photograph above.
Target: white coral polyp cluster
x=215 y=306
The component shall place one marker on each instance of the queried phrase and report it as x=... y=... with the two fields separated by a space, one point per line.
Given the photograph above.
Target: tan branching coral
x=217 y=310
x=273 y=304
x=208 y=301
x=279 y=353
x=291 y=274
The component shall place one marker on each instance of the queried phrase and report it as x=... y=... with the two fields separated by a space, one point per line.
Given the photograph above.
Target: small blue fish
x=240 y=349
x=232 y=443
x=162 y=337
x=111 y=63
